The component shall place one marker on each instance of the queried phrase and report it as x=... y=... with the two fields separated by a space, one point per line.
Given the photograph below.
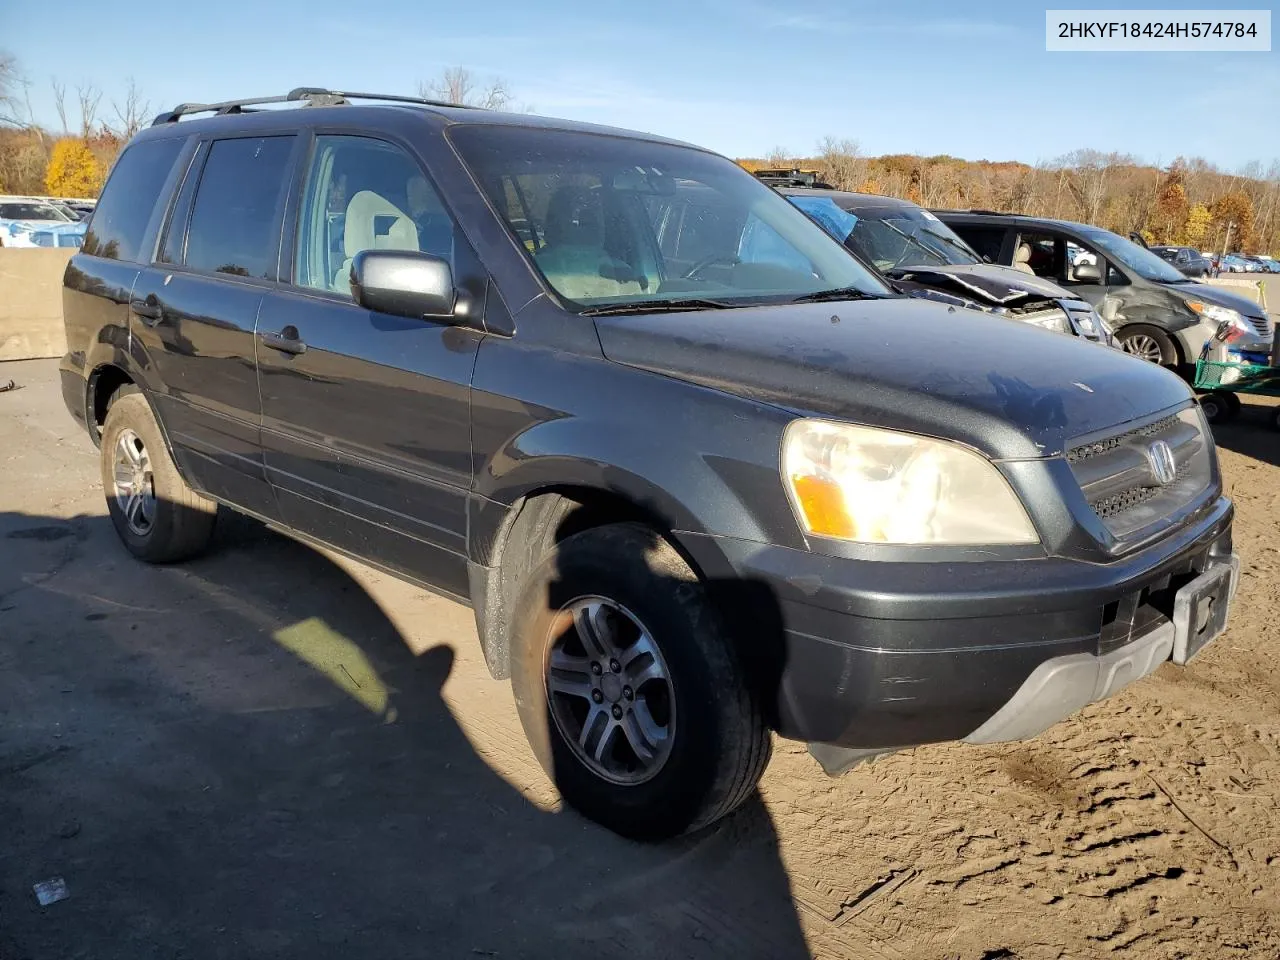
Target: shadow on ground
x=242 y=757
x=1250 y=433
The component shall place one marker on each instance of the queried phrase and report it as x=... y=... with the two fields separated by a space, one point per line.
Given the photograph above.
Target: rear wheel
x=628 y=689
x=1233 y=404
x=159 y=518
x=1149 y=343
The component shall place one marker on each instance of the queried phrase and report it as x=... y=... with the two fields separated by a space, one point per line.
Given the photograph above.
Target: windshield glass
x=610 y=220
x=890 y=237
x=1138 y=259
x=30 y=211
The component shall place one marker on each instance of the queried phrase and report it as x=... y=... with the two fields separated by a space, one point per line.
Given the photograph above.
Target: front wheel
x=158 y=517
x=1149 y=343
x=628 y=689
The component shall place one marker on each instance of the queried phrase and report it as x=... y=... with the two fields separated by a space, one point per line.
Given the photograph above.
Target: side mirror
x=1087 y=273
x=403 y=283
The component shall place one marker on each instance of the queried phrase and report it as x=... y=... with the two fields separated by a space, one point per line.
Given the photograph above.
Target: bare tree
x=458 y=85
x=841 y=163
x=10 y=82
x=1087 y=172
x=60 y=103
x=130 y=113
x=780 y=157
x=89 y=96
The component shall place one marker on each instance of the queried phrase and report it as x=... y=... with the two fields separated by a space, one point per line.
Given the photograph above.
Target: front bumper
x=877 y=656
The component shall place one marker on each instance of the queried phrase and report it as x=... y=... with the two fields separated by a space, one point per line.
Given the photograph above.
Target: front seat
x=1022 y=259
x=373 y=223
x=574 y=259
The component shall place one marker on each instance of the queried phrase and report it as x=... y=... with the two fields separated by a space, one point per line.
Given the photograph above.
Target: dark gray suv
x=701 y=475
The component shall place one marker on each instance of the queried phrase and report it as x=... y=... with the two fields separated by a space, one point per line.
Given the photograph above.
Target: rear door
x=366 y=416
x=196 y=309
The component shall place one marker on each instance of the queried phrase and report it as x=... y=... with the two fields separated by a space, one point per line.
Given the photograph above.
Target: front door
x=196 y=309
x=366 y=419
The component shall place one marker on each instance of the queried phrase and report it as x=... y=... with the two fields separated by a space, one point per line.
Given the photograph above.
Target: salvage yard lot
x=270 y=752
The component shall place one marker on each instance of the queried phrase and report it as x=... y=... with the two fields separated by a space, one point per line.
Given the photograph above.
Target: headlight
x=1218 y=314
x=878 y=486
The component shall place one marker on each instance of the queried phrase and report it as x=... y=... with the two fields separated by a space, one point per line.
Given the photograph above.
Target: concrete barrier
x=31 y=302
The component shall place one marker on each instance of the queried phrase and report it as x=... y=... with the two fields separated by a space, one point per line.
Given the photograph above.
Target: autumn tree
x=73 y=170
x=1232 y=210
x=1169 y=219
x=1195 y=232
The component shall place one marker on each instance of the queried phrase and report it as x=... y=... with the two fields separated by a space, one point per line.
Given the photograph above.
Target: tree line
x=1188 y=203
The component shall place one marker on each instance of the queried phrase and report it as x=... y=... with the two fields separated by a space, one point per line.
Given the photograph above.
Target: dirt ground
x=270 y=753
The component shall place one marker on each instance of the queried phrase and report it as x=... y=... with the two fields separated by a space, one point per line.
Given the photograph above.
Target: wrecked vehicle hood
x=1009 y=390
x=985 y=283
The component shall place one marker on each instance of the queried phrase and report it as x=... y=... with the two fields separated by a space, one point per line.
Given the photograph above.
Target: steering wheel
x=705 y=262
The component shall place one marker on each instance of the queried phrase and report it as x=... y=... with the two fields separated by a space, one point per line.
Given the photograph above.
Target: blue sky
x=942 y=76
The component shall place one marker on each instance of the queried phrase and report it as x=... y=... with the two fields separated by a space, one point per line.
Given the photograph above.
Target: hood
x=1010 y=390
x=985 y=283
x=1218 y=296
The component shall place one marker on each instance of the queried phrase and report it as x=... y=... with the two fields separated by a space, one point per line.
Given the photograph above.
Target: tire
x=1275 y=419
x=173 y=522
x=716 y=742
x=1233 y=404
x=1215 y=407
x=1149 y=343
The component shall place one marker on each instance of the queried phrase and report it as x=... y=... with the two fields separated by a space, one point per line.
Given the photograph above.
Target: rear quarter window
x=129 y=200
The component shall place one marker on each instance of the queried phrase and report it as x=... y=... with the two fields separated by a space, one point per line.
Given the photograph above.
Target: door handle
x=286 y=341
x=148 y=311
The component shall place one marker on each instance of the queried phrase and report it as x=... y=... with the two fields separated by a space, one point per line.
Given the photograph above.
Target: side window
x=1081 y=256
x=129 y=200
x=1041 y=254
x=986 y=241
x=365 y=194
x=235 y=218
x=173 y=244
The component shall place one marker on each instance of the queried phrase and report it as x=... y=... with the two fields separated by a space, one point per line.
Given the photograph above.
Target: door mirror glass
x=1087 y=273
x=403 y=283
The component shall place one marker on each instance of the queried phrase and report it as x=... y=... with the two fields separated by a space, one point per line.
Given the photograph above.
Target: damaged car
x=924 y=258
x=1157 y=313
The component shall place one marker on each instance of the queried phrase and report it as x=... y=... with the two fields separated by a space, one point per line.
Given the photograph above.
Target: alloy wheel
x=1144 y=347
x=134 y=482
x=610 y=691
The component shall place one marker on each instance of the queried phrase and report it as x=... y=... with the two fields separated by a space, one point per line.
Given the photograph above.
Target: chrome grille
x=1118 y=477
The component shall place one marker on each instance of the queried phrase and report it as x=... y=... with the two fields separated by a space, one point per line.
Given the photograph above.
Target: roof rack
x=307 y=96
x=791 y=178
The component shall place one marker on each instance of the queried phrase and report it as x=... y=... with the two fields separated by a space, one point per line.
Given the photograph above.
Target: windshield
x=30 y=211
x=892 y=238
x=1138 y=259
x=610 y=220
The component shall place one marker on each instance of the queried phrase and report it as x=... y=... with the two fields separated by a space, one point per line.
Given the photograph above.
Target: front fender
x=697 y=459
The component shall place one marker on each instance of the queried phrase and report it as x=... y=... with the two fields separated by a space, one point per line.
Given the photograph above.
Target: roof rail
x=307 y=96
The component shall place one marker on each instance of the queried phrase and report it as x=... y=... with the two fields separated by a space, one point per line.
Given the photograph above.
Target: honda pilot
x=701 y=478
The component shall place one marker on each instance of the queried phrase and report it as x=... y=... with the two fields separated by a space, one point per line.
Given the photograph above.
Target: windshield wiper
x=658 y=306
x=836 y=293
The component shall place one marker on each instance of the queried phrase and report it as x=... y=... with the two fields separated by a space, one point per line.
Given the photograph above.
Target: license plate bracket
x=1200 y=609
